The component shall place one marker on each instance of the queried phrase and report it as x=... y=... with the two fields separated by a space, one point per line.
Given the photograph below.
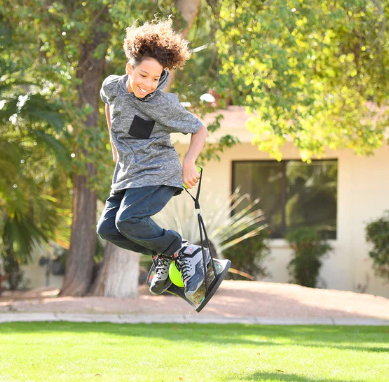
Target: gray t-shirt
x=140 y=129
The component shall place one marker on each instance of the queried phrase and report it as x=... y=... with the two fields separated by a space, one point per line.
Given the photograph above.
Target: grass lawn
x=64 y=351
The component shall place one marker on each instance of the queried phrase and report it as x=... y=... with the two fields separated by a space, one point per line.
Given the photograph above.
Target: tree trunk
x=83 y=234
x=83 y=238
x=189 y=10
x=118 y=276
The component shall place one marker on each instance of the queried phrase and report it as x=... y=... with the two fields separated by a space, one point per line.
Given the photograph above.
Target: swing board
x=202 y=296
x=212 y=281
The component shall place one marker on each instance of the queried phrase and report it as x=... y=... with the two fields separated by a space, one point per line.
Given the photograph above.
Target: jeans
x=126 y=221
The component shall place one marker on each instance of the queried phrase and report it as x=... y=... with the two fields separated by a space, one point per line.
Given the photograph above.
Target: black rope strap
x=203 y=231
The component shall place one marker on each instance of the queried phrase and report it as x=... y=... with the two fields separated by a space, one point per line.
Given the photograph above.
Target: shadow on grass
x=334 y=337
x=288 y=377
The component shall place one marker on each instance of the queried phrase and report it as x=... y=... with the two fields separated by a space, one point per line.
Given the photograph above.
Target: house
x=351 y=192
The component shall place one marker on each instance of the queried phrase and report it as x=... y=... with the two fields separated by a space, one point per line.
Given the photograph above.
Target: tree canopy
x=311 y=72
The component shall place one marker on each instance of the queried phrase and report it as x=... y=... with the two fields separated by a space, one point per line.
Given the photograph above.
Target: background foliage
x=249 y=256
x=314 y=73
x=377 y=232
x=308 y=252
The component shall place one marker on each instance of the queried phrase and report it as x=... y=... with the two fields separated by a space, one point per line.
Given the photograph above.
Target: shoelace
x=183 y=264
x=161 y=265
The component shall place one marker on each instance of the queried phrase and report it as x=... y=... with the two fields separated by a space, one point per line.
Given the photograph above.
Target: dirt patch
x=234 y=299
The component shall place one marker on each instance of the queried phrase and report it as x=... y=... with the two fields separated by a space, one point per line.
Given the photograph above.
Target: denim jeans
x=126 y=221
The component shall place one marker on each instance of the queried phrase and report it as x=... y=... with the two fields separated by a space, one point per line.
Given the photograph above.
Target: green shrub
x=16 y=276
x=308 y=251
x=249 y=255
x=377 y=232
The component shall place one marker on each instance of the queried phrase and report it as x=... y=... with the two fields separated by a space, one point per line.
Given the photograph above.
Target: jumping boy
x=148 y=171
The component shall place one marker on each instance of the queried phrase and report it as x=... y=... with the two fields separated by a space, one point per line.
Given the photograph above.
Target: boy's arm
x=190 y=175
x=107 y=114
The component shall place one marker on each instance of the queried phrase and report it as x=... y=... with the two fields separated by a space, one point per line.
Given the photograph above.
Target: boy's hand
x=190 y=175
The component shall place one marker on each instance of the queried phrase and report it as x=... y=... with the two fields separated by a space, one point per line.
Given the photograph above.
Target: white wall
x=37 y=277
x=363 y=195
x=36 y=274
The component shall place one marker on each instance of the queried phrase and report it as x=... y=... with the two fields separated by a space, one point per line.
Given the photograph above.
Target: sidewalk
x=185 y=319
x=236 y=302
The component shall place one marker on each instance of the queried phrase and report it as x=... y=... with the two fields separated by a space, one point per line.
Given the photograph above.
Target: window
x=292 y=194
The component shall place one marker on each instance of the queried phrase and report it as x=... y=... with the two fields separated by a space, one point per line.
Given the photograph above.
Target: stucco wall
x=363 y=195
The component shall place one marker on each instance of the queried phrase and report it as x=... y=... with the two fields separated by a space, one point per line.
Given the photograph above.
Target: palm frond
x=57 y=148
x=222 y=227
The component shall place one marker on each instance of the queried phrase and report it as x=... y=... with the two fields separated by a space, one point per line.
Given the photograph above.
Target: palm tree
x=33 y=178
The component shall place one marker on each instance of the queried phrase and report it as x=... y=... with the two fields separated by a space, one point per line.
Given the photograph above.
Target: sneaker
x=189 y=260
x=161 y=280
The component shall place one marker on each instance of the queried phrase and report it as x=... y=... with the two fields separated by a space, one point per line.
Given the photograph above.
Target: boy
x=148 y=172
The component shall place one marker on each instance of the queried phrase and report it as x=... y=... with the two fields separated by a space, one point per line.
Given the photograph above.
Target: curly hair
x=156 y=40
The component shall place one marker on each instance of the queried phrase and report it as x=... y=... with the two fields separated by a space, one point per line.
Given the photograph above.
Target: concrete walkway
x=184 y=319
x=235 y=302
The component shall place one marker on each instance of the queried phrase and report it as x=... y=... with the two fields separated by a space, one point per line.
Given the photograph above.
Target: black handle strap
x=197 y=198
x=203 y=231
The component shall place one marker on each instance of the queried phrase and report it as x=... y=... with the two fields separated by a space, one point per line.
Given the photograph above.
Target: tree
x=31 y=150
x=118 y=275
x=89 y=72
x=188 y=10
x=311 y=72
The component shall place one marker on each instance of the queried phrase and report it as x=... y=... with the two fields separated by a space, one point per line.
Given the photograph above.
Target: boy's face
x=144 y=78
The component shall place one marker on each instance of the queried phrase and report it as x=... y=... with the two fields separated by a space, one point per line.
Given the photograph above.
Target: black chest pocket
x=140 y=128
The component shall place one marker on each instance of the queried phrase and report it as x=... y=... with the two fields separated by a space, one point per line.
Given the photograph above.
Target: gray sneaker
x=189 y=260
x=161 y=280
